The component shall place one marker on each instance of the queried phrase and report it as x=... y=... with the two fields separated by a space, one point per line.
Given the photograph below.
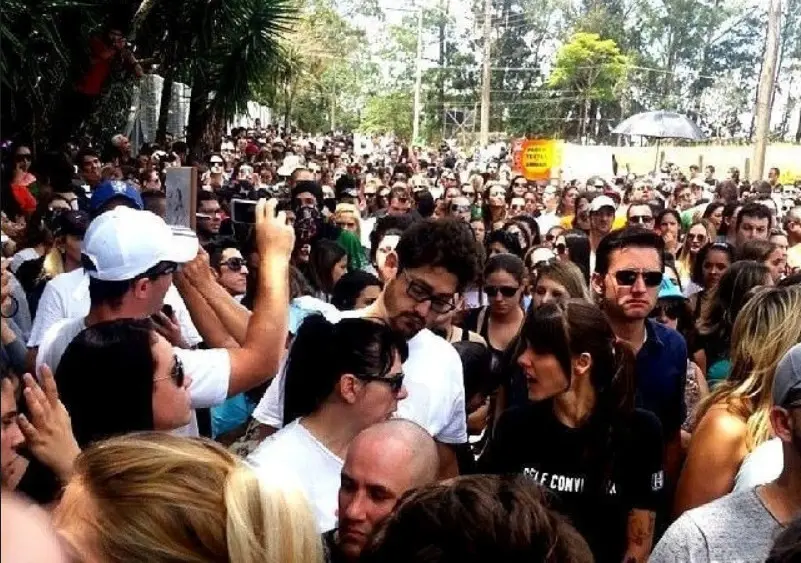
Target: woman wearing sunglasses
x=500 y=321
x=699 y=233
x=581 y=437
x=122 y=376
x=338 y=380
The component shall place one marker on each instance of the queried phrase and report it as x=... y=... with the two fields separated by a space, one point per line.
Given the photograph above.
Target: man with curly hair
x=436 y=259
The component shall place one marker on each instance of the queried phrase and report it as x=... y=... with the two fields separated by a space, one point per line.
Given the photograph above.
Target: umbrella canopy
x=660 y=125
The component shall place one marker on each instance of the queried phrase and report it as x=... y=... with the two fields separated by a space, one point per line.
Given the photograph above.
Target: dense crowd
x=398 y=355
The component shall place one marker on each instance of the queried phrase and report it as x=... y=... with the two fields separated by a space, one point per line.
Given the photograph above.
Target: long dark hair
x=731 y=294
x=105 y=379
x=578 y=245
x=323 y=351
x=324 y=255
x=566 y=330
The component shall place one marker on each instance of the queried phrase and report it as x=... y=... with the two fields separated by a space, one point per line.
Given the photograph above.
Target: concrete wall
x=580 y=161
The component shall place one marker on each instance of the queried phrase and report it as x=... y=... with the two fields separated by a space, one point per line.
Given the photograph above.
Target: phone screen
x=243 y=211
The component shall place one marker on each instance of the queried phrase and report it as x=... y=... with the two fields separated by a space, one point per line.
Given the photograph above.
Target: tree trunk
x=164 y=108
x=798 y=131
x=584 y=116
x=199 y=116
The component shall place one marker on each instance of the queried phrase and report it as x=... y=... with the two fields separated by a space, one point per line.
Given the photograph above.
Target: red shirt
x=92 y=82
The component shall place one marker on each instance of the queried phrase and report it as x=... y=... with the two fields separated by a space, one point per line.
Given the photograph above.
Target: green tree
x=388 y=113
x=591 y=68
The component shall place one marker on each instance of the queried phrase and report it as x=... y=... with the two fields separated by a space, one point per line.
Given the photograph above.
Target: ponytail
x=252 y=509
x=305 y=383
x=622 y=388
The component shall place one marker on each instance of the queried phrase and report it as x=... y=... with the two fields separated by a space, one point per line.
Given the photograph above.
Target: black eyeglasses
x=420 y=293
x=505 y=290
x=629 y=277
x=671 y=310
x=177 y=373
x=641 y=219
x=234 y=264
x=22 y=157
x=395 y=382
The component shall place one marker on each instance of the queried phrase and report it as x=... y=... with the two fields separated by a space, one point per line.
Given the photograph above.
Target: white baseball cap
x=124 y=243
x=602 y=201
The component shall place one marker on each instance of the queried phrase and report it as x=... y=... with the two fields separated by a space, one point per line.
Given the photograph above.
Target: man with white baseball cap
x=602 y=217
x=131 y=256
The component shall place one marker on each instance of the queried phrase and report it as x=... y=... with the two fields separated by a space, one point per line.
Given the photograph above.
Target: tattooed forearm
x=640 y=535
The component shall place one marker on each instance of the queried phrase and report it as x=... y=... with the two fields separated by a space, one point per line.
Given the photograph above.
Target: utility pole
x=765 y=93
x=485 y=76
x=440 y=72
x=418 y=78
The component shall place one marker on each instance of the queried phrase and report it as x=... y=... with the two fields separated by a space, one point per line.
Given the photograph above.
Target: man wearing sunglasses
x=640 y=215
x=130 y=275
x=628 y=274
x=229 y=267
x=436 y=259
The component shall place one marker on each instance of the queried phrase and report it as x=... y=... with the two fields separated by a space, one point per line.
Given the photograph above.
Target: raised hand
x=274 y=238
x=48 y=433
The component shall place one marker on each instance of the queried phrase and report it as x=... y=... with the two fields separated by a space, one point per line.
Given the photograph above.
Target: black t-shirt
x=531 y=441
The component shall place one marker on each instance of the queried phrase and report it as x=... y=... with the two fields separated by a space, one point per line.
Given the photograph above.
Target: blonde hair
x=343 y=208
x=53 y=264
x=161 y=498
x=766 y=327
x=686 y=261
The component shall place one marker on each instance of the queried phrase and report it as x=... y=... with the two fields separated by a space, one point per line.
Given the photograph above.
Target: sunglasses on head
x=177 y=373
x=395 y=382
x=671 y=310
x=234 y=263
x=505 y=290
x=629 y=277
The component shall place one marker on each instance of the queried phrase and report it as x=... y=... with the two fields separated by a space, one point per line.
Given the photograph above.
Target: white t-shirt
x=210 y=370
x=21 y=257
x=294 y=450
x=67 y=297
x=762 y=465
x=433 y=380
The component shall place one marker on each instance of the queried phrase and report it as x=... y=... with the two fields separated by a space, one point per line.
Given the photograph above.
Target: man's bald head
x=383 y=462
x=402 y=442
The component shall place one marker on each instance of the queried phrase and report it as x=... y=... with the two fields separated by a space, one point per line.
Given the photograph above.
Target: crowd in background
x=366 y=351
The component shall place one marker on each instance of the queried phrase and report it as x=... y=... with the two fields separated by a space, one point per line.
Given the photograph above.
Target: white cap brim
x=184 y=245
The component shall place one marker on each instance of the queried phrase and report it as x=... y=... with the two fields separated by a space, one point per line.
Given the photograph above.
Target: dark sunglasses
x=629 y=277
x=521 y=184
x=550 y=238
x=395 y=382
x=460 y=208
x=641 y=219
x=21 y=157
x=700 y=237
x=177 y=373
x=517 y=207
x=161 y=269
x=234 y=264
x=505 y=290
x=670 y=310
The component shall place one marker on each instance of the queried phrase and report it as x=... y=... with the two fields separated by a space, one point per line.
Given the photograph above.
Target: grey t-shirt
x=734 y=529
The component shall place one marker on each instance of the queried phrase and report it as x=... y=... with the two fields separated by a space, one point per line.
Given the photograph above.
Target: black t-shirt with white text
x=531 y=441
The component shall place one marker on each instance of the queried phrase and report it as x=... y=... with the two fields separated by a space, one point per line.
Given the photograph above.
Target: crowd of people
x=401 y=355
